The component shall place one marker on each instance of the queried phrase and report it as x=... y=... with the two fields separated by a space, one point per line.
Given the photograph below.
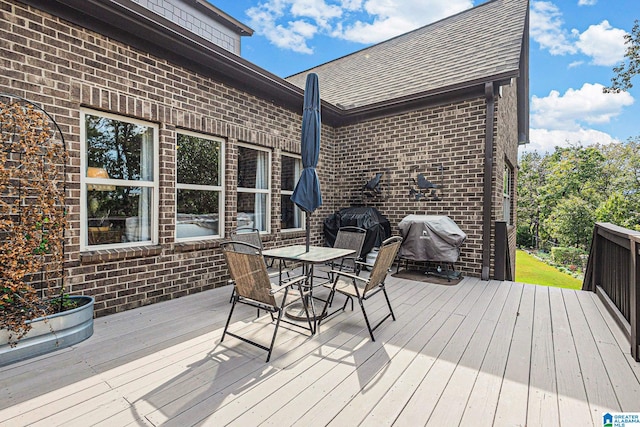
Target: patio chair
x=251 y=236
x=361 y=288
x=252 y=286
x=247 y=235
x=349 y=237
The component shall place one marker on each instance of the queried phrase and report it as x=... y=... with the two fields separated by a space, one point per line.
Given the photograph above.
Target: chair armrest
x=349 y=275
x=287 y=284
x=363 y=263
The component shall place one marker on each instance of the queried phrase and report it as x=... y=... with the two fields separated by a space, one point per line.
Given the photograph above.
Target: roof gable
x=475 y=45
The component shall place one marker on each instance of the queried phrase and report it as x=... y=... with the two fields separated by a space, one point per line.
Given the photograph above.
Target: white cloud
x=291 y=24
x=389 y=18
x=559 y=120
x=291 y=35
x=587 y=2
x=545 y=140
x=603 y=43
x=351 y=4
x=546 y=28
x=316 y=10
x=587 y=105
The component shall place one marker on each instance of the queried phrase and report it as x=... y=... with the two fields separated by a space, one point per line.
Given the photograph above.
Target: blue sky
x=574 y=44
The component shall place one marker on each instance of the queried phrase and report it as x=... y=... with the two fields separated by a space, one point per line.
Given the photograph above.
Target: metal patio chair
x=251 y=236
x=252 y=286
x=349 y=237
x=361 y=288
x=247 y=235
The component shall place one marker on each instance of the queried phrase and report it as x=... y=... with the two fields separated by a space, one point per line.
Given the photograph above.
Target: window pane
x=290 y=173
x=198 y=160
x=252 y=211
x=253 y=168
x=118 y=214
x=198 y=213
x=124 y=150
x=291 y=215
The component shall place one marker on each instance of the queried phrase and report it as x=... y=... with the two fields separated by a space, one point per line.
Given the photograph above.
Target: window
x=254 y=181
x=200 y=184
x=291 y=216
x=119 y=180
x=506 y=194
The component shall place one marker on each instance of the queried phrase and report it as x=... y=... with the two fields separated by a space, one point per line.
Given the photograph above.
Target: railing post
x=501 y=249
x=634 y=296
x=596 y=256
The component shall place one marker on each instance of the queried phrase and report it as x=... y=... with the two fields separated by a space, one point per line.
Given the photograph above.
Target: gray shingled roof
x=475 y=44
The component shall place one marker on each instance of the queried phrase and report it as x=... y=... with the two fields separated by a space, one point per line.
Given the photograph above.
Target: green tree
x=623 y=172
x=571 y=222
x=572 y=173
x=617 y=209
x=562 y=194
x=531 y=178
x=630 y=67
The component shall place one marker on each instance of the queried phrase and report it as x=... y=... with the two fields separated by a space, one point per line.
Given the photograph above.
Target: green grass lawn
x=531 y=270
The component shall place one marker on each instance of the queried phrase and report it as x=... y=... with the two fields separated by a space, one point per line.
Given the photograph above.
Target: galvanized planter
x=69 y=328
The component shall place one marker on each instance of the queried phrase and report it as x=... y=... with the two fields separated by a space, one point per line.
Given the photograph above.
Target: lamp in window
x=98 y=223
x=93 y=172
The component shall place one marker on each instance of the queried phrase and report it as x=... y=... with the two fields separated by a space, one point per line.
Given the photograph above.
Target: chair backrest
x=350 y=237
x=248 y=271
x=384 y=260
x=247 y=235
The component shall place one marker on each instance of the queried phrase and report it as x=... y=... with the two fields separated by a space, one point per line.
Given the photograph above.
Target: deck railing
x=613 y=272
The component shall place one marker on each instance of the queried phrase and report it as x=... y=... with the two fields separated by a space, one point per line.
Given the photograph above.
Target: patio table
x=315 y=255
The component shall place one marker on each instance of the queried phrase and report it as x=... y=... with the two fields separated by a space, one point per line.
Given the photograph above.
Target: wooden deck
x=477 y=353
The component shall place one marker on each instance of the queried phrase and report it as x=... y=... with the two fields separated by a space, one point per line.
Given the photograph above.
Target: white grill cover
x=430 y=238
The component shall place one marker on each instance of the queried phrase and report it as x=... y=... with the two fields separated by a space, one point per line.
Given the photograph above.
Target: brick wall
x=451 y=136
x=64 y=67
x=506 y=153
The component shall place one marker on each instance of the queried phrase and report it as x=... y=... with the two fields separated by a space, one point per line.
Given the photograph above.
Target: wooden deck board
x=625 y=384
x=452 y=402
x=600 y=394
x=296 y=370
x=511 y=399
x=572 y=396
x=542 y=408
x=477 y=353
x=425 y=398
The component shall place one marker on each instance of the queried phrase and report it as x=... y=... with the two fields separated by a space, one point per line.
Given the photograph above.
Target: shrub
x=568 y=256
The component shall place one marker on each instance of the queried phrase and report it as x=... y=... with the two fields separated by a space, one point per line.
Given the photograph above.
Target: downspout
x=488 y=173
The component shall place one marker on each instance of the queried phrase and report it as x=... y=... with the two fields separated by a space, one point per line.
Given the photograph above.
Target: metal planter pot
x=69 y=328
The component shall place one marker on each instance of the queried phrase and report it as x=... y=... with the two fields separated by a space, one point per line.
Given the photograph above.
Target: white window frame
x=219 y=188
x=84 y=180
x=290 y=192
x=507 y=187
x=266 y=191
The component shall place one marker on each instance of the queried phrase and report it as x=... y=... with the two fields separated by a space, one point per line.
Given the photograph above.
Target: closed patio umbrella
x=307 y=192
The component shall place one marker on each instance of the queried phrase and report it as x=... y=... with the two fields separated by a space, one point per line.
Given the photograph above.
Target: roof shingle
x=476 y=44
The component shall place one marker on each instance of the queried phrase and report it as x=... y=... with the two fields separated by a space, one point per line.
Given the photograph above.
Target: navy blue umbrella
x=307 y=192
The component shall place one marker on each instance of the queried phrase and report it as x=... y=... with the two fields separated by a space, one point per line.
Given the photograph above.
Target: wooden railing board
x=613 y=272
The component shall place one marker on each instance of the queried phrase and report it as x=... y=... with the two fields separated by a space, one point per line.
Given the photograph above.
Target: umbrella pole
x=308 y=230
